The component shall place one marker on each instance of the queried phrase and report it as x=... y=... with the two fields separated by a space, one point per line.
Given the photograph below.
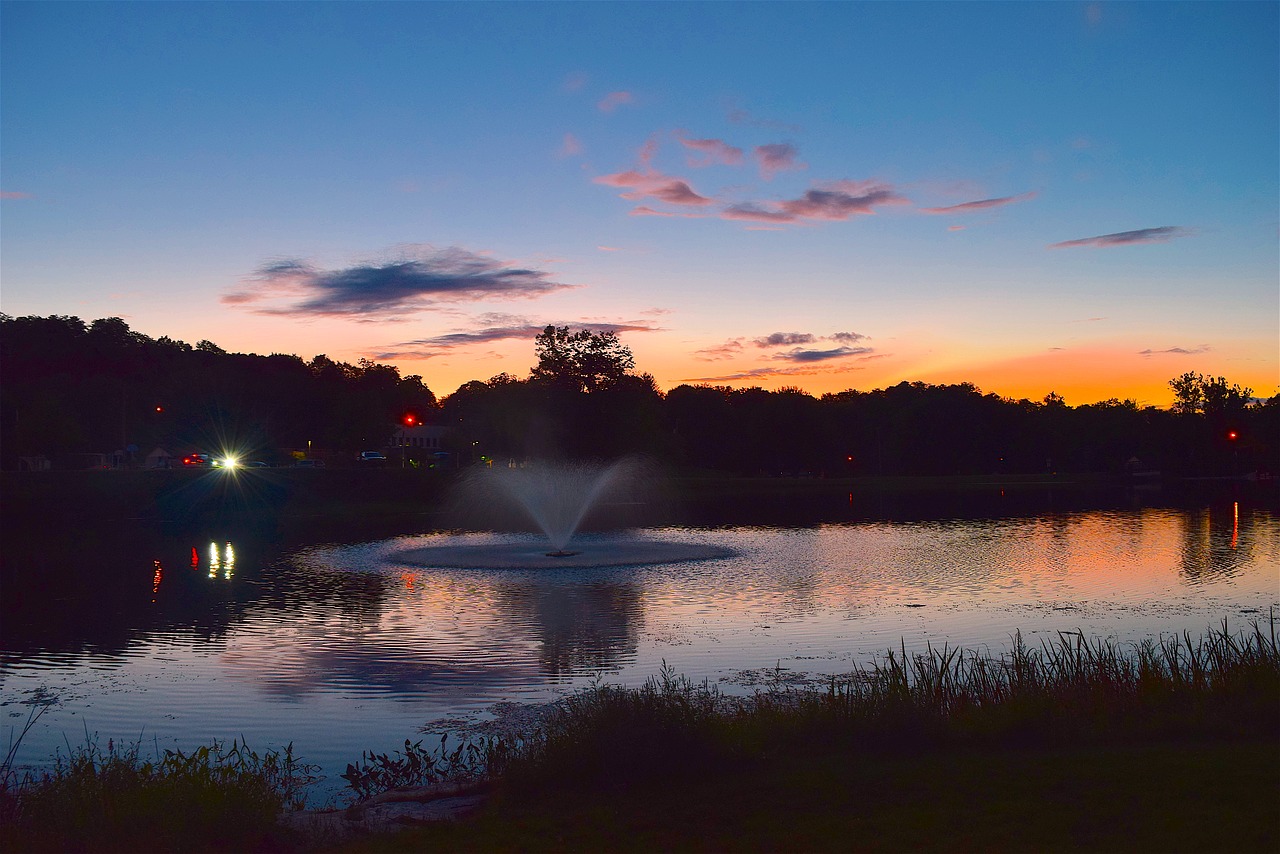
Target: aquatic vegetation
x=467 y=763
x=1070 y=690
x=217 y=797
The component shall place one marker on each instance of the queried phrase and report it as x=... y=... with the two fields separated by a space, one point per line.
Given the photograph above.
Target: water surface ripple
x=345 y=647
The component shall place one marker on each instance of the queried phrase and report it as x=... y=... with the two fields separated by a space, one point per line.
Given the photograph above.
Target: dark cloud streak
x=375 y=291
x=1161 y=234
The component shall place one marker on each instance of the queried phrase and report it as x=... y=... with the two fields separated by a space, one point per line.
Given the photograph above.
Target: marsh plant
x=468 y=763
x=217 y=797
x=1069 y=690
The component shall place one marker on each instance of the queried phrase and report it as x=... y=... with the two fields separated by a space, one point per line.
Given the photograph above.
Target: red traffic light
x=1233 y=435
x=409 y=419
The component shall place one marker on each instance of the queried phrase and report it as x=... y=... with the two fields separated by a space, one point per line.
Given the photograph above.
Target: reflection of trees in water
x=582 y=626
x=1217 y=542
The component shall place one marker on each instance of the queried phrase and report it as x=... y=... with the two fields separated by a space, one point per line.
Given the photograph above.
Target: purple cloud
x=801 y=355
x=784 y=339
x=984 y=204
x=838 y=200
x=377 y=291
x=1161 y=234
x=753 y=212
x=776 y=157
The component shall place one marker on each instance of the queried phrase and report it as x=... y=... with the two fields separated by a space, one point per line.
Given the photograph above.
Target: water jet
x=557 y=498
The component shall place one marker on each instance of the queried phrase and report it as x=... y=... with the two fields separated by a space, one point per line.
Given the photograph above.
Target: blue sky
x=1029 y=196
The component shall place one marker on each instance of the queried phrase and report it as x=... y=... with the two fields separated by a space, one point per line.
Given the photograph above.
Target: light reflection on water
x=344 y=648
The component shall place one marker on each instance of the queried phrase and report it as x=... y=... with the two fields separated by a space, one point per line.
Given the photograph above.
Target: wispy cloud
x=982 y=205
x=728 y=350
x=776 y=157
x=1176 y=351
x=802 y=370
x=380 y=291
x=613 y=101
x=1162 y=234
x=575 y=81
x=645 y=210
x=497 y=327
x=747 y=118
x=570 y=146
x=14 y=194
x=712 y=151
x=838 y=200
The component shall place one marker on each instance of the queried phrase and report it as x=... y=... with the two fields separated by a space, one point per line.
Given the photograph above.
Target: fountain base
x=528 y=555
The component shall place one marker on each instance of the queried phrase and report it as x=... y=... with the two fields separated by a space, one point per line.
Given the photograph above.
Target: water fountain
x=557 y=497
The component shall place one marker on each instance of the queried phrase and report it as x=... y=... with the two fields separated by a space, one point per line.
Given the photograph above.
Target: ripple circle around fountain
x=533 y=555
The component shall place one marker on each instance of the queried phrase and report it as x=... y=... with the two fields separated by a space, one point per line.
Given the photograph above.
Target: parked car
x=373 y=458
x=197 y=460
x=309 y=464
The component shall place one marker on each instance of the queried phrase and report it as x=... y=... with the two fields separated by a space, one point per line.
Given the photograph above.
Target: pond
x=340 y=643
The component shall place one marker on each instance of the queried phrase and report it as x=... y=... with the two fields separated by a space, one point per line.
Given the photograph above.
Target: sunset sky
x=1033 y=197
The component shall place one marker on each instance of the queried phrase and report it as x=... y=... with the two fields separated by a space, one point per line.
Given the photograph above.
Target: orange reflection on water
x=1235 y=524
x=155 y=579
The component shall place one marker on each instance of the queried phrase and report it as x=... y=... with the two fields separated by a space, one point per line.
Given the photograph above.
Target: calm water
x=341 y=647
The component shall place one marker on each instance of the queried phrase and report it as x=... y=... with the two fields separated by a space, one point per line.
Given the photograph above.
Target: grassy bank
x=1076 y=745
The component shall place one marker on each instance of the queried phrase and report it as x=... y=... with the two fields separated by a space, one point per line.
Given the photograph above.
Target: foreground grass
x=1073 y=746
x=1076 y=745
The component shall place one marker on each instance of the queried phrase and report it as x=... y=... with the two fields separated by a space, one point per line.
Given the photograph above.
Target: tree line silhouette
x=67 y=386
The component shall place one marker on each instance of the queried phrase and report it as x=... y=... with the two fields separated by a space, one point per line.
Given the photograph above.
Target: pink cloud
x=609 y=248
x=955 y=228
x=777 y=157
x=570 y=146
x=727 y=350
x=645 y=210
x=984 y=204
x=575 y=81
x=1161 y=234
x=713 y=151
x=13 y=194
x=613 y=100
x=653 y=184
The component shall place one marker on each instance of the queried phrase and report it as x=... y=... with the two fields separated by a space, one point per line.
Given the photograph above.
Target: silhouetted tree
x=583 y=360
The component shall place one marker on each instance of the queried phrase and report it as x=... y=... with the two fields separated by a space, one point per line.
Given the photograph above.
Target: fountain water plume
x=557 y=496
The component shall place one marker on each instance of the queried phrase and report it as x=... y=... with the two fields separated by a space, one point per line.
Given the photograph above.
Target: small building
x=426 y=437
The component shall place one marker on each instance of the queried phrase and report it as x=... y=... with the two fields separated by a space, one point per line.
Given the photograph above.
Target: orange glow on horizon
x=1081 y=375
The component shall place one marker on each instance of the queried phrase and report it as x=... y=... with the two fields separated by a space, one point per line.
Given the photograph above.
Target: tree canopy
x=583 y=360
x=68 y=386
